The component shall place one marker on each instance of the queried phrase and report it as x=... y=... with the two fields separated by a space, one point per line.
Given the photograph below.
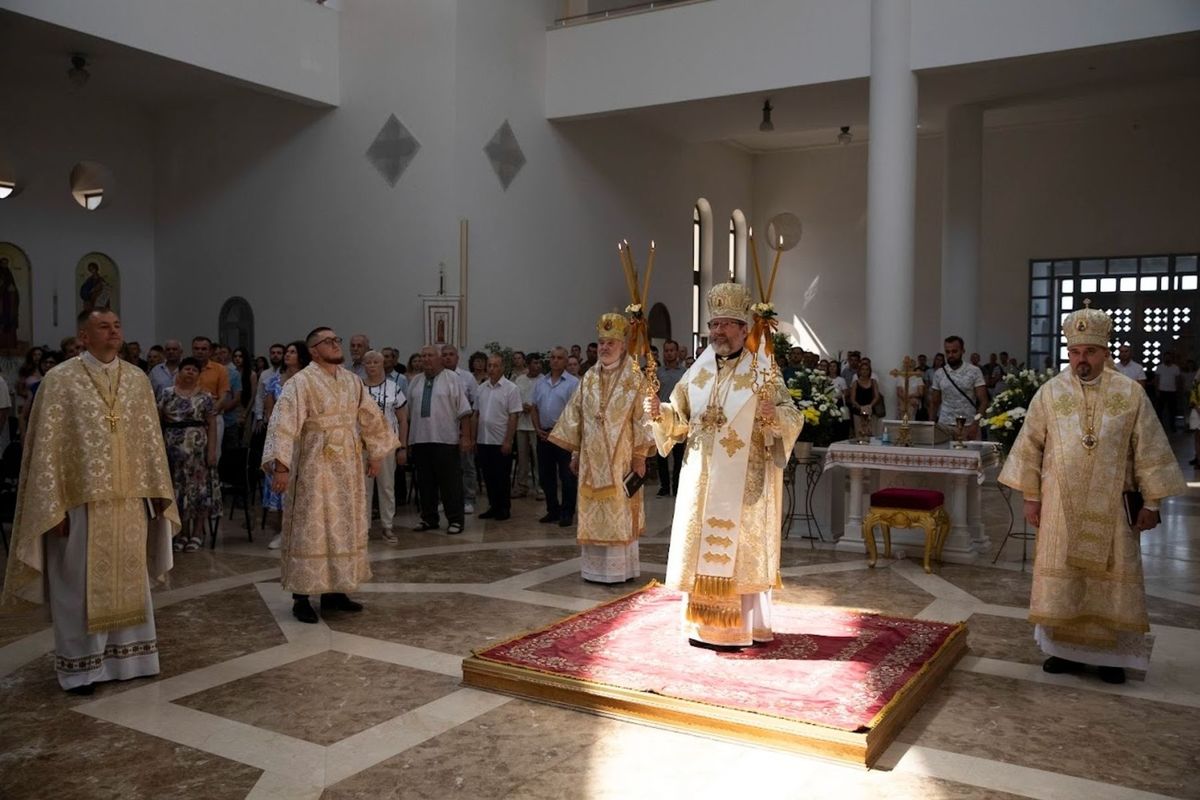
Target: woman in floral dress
x=189 y=417
x=295 y=358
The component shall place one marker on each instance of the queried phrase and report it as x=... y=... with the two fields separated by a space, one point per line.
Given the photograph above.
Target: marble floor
x=252 y=704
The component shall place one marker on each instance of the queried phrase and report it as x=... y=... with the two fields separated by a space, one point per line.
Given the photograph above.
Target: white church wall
x=288 y=46
x=277 y=203
x=767 y=44
x=42 y=136
x=1093 y=187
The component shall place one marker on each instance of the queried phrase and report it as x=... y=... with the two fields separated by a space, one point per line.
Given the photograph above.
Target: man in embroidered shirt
x=725 y=538
x=439 y=435
x=1089 y=436
x=97 y=520
x=958 y=390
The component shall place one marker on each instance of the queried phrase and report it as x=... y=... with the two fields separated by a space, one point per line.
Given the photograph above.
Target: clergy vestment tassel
x=714 y=586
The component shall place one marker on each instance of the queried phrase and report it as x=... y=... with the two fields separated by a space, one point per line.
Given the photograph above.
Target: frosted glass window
x=1164 y=283
x=1189 y=282
x=1068 y=287
x=1068 y=303
x=1041 y=269
x=1039 y=288
x=1122 y=266
x=1062 y=268
x=1156 y=265
x=1091 y=266
x=1149 y=283
x=1108 y=284
x=1129 y=284
x=1185 y=264
x=1087 y=285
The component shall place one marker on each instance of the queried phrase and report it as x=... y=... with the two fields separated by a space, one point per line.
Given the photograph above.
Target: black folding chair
x=233 y=474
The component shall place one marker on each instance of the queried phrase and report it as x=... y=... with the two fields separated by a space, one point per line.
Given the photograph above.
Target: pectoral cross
x=112 y=418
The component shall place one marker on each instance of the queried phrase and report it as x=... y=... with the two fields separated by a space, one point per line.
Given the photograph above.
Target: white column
x=962 y=201
x=891 y=190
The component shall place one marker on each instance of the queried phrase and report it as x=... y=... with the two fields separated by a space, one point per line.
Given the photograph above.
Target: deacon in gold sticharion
x=1090 y=434
x=604 y=428
x=739 y=430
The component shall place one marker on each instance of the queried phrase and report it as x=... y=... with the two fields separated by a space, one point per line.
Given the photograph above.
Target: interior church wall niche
x=16 y=325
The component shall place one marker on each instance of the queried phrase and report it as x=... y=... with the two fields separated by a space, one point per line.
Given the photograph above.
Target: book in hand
x=1133 y=506
x=633 y=482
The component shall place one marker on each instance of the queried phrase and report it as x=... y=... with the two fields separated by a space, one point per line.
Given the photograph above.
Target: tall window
x=1151 y=299
x=695 y=279
x=732 y=251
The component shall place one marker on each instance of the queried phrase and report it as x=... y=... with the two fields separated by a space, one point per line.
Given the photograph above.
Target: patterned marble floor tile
x=874 y=590
x=1140 y=744
x=49 y=751
x=575 y=586
x=323 y=698
x=207 y=565
x=447 y=623
x=484 y=566
x=213 y=628
x=998 y=587
x=492 y=756
x=1003 y=638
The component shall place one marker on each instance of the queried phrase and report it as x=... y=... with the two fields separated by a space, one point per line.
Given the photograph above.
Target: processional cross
x=906 y=371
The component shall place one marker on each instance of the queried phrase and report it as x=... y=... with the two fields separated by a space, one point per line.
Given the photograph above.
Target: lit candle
x=757 y=269
x=649 y=268
x=774 y=272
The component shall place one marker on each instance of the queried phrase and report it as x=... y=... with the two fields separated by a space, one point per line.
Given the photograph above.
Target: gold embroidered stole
x=713 y=600
x=1091 y=482
x=605 y=424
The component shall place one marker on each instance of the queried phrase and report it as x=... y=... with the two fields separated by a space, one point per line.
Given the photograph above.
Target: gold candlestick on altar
x=906 y=371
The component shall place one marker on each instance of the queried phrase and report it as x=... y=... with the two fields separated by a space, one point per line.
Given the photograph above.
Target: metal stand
x=812 y=476
x=1025 y=535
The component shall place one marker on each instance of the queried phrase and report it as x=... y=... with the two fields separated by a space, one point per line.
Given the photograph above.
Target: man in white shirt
x=550 y=396
x=162 y=376
x=525 y=375
x=958 y=390
x=439 y=436
x=470 y=388
x=1128 y=367
x=496 y=413
x=1168 y=380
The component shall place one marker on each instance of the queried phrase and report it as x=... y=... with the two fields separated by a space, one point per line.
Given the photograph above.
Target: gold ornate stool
x=907 y=508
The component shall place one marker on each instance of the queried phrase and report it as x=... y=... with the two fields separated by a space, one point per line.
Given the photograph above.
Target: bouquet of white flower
x=1006 y=414
x=815 y=395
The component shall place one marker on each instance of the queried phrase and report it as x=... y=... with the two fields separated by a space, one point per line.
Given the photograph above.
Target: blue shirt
x=551 y=398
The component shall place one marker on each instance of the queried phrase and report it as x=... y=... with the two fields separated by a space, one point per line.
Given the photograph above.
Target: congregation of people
x=335 y=439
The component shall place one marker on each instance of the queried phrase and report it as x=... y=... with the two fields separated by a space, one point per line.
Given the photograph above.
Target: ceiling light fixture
x=766 y=126
x=78 y=73
x=845 y=137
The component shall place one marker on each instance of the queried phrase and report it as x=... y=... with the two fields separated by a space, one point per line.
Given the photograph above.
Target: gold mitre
x=1087 y=326
x=612 y=326
x=729 y=301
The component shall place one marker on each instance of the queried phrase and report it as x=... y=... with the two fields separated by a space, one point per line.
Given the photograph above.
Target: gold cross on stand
x=906 y=371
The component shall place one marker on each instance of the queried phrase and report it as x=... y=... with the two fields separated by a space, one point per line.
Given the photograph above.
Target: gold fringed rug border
x=862 y=747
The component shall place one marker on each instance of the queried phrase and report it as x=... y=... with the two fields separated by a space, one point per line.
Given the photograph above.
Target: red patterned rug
x=831 y=667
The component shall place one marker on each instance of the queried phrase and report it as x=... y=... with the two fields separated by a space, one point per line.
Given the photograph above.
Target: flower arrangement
x=634 y=309
x=817 y=398
x=1006 y=413
x=764 y=310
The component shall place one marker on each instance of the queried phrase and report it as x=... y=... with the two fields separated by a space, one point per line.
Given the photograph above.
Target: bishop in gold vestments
x=95 y=512
x=603 y=427
x=739 y=429
x=320 y=425
x=1089 y=435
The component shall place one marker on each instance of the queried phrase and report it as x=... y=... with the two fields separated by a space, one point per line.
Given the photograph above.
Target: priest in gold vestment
x=318 y=430
x=95 y=511
x=1089 y=436
x=603 y=427
x=740 y=428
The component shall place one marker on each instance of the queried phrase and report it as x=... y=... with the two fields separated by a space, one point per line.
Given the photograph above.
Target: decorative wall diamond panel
x=504 y=152
x=392 y=150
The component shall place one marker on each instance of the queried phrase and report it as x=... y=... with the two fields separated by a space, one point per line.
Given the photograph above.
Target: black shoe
x=663 y=493
x=564 y=523
x=1057 y=666
x=303 y=611
x=86 y=689
x=719 y=648
x=502 y=516
x=489 y=514
x=338 y=601
x=1111 y=674
x=1195 y=462
x=549 y=518
x=425 y=526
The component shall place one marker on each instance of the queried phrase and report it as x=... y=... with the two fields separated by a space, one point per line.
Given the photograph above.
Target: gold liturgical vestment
x=318 y=430
x=1087 y=574
x=94 y=441
x=604 y=422
x=725 y=538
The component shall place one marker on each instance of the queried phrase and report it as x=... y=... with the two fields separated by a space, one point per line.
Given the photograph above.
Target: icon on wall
x=99 y=284
x=16 y=327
